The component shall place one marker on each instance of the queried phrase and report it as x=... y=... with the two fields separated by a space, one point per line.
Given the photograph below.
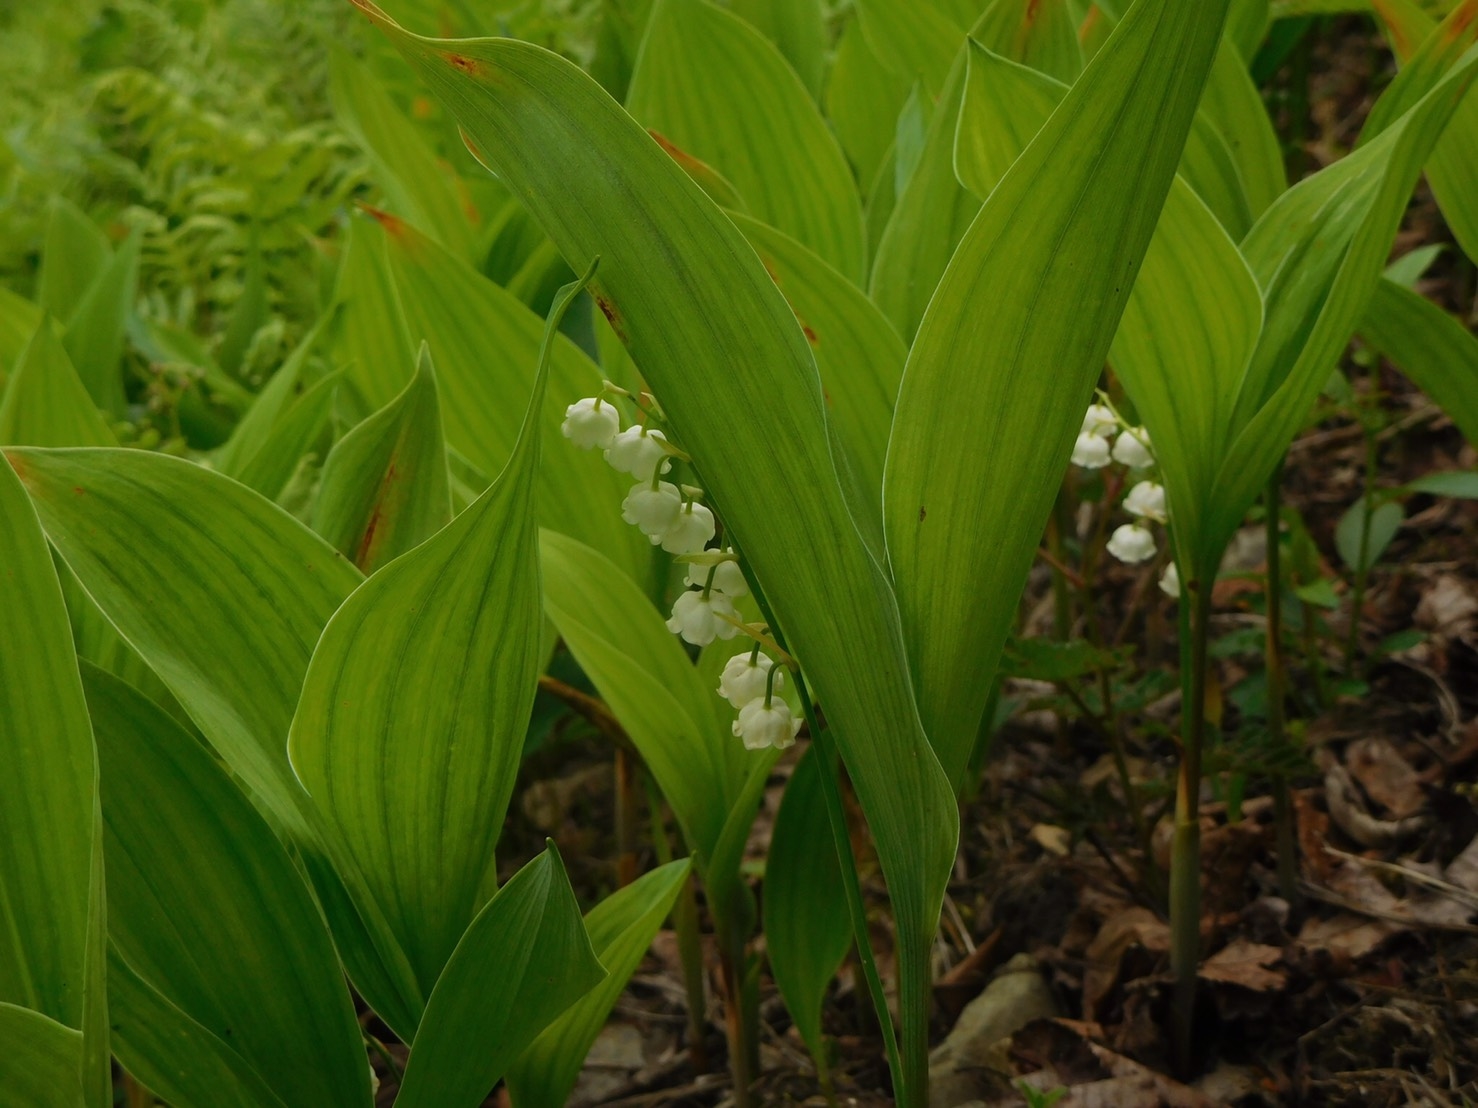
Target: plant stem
x=742 y=1047
x=689 y=942
x=1185 y=851
x=847 y=862
x=1362 y=567
x=1273 y=662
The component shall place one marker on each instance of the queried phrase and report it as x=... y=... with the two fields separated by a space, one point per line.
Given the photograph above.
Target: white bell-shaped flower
x=638 y=451
x=1099 y=420
x=746 y=677
x=1132 y=449
x=1132 y=543
x=698 y=619
x=1147 y=501
x=1091 y=451
x=591 y=422
x=1170 y=582
x=761 y=726
x=728 y=579
x=654 y=510
x=691 y=530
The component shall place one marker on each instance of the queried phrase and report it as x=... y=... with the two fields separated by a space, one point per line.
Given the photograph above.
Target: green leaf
x=224 y=595
x=96 y=329
x=19 y=319
x=934 y=210
x=1452 y=166
x=250 y=311
x=858 y=353
x=913 y=38
x=621 y=930
x=45 y=403
x=1042 y=34
x=51 y=871
x=300 y=426
x=736 y=378
x=75 y=252
x=1055 y=252
x=410 y=727
x=41 y=1062
x=808 y=925
x=798 y=28
x=485 y=343
x=418 y=185
x=1412 y=266
x=1317 y=254
x=150 y=1035
x=1436 y=351
x=1385 y=521
x=226 y=931
x=643 y=673
x=715 y=87
x=862 y=103
x=385 y=487
x=524 y=960
x=1462 y=484
x=1233 y=109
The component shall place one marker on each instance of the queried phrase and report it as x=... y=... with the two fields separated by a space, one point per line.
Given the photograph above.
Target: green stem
x=689 y=941
x=743 y=1049
x=1362 y=566
x=1273 y=661
x=1185 y=851
x=847 y=862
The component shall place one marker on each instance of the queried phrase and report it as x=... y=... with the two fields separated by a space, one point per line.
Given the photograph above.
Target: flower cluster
x=1105 y=437
x=749 y=682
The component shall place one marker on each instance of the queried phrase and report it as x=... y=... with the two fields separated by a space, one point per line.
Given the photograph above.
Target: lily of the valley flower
x=1147 y=501
x=698 y=617
x=766 y=722
x=1132 y=543
x=1132 y=449
x=1091 y=451
x=746 y=677
x=690 y=531
x=639 y=451
x=591 y=422
x=1099 y=421
x=653 y=508
x=1170 y=582
x=728 y=578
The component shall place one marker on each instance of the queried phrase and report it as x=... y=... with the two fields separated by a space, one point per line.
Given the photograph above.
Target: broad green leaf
x=621 y=930
x=485 y=344
x=1317 y=255
x=798 y=28
x=862 y=104
x=934 y=211
x=722 y=350
x=1458 y=483
x=525 y=959
x=418 y=186
x=858 y=352
x=224 y=595
x=1233 y=110
x=719 y=90
x=151 y=1037
x=674 y=719
x=1247 y=25
x=41 y=1064
x=1412 y=266
x=1452 y=167
x=302 y=424
x=97 y=327
x=1054 y=252
x=1437 y=352
x=226 y=929
x=913 y=38
x=1385 y=521
x=45 y=403
x=1041 y=34
x=50 y=874
x=808 y=925
x=385 y=487
x=74 y=253
x=410 y=727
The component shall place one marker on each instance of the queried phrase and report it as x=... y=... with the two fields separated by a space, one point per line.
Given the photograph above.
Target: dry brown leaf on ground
x=1103 y=963
x=1094 y=1076
x=1247 y=964
x=1386 y=776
